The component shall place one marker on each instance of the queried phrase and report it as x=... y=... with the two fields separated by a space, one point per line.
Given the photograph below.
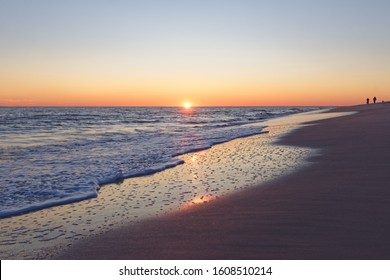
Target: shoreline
x=335 y=208
x=101 y=183
x=207 y=175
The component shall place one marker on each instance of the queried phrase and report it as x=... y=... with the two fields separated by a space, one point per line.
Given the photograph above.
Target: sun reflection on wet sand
x=197 y=155
x=200 y=199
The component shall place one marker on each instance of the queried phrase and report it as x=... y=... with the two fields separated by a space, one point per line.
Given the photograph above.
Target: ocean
x=58 y=155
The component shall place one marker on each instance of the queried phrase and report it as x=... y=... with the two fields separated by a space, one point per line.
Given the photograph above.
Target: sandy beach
x=337 y=207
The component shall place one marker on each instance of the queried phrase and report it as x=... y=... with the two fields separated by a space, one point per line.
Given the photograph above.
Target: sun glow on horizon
x=187 y=105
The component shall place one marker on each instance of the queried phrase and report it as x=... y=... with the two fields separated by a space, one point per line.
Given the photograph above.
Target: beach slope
x=338 y=207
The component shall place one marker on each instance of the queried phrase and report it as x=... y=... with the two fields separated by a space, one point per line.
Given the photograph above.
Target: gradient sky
x=214 y=52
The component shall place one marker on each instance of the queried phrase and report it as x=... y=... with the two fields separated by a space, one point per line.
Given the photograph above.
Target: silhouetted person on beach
x=368 y=100
x=374 y=99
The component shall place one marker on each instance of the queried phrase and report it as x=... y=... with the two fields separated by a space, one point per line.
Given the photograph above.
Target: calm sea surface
x=51 y=156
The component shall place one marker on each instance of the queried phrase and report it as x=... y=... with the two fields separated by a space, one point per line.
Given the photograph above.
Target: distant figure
x=374 y=99
x=368 y=100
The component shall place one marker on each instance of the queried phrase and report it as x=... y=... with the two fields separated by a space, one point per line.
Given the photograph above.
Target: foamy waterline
x=96 y=185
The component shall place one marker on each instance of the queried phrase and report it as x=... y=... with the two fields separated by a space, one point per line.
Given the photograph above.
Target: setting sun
x=187 y=105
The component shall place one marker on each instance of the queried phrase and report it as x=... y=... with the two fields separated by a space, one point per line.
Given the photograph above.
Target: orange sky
x=272 y=89
x=243 y=53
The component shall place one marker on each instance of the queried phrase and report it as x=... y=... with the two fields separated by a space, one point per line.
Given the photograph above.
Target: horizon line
x=162 y=106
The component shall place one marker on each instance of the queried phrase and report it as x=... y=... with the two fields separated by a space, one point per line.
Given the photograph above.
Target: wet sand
x=337 y=207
